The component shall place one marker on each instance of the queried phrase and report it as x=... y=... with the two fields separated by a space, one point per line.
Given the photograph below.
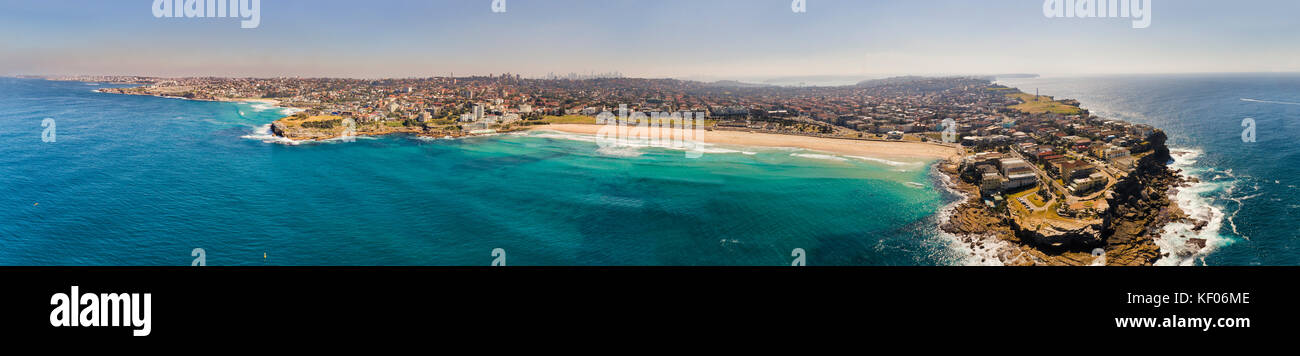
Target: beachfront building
x=996 y=173
x=990 y=180
x=1018 y=174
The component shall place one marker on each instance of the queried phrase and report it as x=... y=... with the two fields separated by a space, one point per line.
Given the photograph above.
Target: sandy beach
x=876 y=149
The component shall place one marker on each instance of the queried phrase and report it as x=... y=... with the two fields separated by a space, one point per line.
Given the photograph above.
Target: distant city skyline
x=701 y=39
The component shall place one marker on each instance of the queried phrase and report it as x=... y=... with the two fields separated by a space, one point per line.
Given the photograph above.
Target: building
x=1018 y=173
x=1112 y=153
x=1070 y=169
x=1089 y=184
x=990 y=181
x=1124 y=163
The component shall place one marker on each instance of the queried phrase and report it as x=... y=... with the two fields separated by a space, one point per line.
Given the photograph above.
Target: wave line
x=1269 y=101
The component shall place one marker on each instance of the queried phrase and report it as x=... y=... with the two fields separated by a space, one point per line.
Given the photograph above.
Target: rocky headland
x=1139 y=207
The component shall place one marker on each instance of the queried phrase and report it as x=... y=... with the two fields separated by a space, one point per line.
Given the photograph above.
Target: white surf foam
x=1268 y=101
x=562 y=136
x=263 y=133
x=819 y=156
x=260 y=107
x=1175 y=239
x=885 y=161
x=620 y=151
x=443 y=138
x=834 y=157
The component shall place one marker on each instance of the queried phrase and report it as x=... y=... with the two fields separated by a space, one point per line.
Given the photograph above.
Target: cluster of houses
x=885 y=108
x=478 y=121
x=1079 y=154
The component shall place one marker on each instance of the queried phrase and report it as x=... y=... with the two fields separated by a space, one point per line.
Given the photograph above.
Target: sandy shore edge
x=876 y=149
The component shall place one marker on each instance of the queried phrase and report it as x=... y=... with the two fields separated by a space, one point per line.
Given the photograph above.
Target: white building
x=1112 y=153
x=1018 y=173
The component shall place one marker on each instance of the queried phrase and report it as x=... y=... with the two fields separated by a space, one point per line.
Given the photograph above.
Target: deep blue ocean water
x=134 y=180
x=1249 y=189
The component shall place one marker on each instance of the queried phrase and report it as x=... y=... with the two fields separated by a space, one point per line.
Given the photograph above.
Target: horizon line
x=681 y=77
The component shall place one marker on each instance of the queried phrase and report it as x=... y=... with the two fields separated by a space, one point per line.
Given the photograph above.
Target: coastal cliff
x=1141 y=207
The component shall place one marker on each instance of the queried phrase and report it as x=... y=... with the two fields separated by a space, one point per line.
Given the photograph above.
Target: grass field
x=1049 y=214
x=316 y=122
x=1042 y=104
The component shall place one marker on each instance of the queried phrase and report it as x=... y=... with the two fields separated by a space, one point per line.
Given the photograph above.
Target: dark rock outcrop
x=1140 y=206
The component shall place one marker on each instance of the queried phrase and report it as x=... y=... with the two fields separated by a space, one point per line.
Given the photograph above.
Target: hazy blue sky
x=648 y=38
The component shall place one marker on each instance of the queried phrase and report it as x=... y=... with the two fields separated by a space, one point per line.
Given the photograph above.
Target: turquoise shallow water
x=142 y=181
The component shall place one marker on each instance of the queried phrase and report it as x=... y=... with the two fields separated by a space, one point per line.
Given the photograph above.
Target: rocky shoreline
x=1141 y=206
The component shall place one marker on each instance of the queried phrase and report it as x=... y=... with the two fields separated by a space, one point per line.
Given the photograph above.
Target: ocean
x=137 y=180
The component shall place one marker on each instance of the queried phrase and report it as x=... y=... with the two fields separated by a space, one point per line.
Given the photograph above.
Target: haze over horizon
x=703 y=40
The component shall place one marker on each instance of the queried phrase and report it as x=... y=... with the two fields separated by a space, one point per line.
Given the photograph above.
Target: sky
x=698 y=39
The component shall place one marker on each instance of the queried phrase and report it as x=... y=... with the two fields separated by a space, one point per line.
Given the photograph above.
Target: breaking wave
x=1269 y=101
x=263 y=133
x=1185 y=244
